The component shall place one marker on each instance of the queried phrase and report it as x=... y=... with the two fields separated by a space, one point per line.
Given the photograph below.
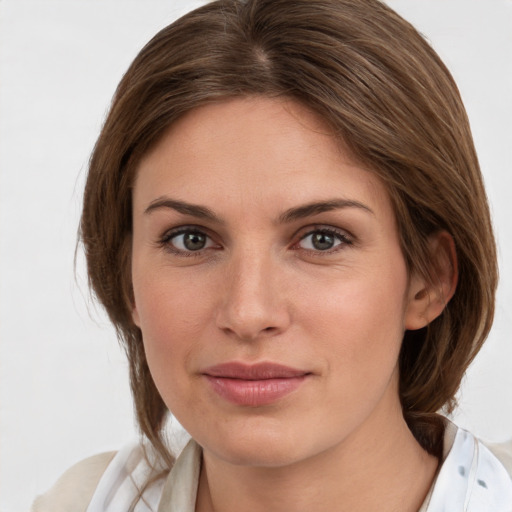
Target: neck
x=387 y=471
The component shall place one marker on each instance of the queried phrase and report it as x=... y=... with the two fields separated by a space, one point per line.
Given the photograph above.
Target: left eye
x=322 y=240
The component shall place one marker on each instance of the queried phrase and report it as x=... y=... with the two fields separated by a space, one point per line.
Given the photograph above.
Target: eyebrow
x=318 y=207
x=290 y=215
x=194 y=210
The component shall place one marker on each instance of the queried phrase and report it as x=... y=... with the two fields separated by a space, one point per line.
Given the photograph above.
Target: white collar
x=180 y=489
x=471 y=479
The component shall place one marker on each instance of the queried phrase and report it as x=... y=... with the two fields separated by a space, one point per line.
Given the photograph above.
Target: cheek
x=172 y=317
x=170 y=331
x=361 y=318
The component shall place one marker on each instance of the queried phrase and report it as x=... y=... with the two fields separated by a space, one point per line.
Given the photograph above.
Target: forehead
x=255 y=151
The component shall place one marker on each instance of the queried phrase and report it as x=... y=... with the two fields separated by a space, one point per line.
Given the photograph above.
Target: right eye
x=187 y=241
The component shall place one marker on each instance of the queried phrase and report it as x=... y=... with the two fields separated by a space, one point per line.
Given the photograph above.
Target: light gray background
x=63 y=381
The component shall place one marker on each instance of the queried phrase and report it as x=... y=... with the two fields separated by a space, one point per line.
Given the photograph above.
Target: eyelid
x=187 y=228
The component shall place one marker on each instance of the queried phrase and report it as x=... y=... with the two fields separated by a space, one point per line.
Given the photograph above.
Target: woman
x=285 y=220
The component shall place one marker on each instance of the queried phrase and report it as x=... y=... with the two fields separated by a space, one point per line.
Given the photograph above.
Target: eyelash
x=341 y=236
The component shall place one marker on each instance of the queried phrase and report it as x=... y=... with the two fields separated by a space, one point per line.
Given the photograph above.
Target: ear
x=427 y=300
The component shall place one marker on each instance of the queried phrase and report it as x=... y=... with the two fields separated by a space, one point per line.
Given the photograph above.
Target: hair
x=387 y=97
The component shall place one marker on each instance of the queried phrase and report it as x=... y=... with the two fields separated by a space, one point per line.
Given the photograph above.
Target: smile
x=254 y=385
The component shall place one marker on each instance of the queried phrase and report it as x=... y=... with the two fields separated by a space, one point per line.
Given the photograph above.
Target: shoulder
x=500 y=451
x=136 y=473
x=112 y=480
x=503 y=452
x=74 y=489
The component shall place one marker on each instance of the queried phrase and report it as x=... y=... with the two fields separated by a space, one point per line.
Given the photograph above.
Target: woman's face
x=269 y=284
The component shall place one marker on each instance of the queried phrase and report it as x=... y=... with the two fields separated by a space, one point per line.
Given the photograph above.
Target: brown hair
x=387 y=96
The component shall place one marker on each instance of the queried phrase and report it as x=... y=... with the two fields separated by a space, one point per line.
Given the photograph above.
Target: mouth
x=254 y=385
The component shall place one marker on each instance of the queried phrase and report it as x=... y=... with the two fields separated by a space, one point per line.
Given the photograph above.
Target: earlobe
x=428 y=298
x=135 y=316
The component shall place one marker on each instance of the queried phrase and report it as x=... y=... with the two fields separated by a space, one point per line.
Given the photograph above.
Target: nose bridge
x=253 y=301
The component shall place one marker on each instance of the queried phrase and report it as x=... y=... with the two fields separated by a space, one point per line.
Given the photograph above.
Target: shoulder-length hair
x=388 y=98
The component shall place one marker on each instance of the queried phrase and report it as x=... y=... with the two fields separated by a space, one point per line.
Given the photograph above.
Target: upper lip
x=259 y=371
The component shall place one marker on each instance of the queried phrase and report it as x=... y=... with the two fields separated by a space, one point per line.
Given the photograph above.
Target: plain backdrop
x=64 y=390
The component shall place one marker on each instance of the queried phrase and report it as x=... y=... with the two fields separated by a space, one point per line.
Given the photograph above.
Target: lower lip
x=254 y=393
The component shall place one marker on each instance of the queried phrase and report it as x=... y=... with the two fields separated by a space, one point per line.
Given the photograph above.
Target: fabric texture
x=75 y=488
x=471 y=478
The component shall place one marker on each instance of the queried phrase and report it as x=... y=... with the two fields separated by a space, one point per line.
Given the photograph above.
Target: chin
x=260 y=444
x=259 y=454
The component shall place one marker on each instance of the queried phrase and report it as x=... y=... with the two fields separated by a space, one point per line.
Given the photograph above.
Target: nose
x=253 y=302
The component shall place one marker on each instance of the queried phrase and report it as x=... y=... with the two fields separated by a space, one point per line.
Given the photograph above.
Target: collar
x=471 y=478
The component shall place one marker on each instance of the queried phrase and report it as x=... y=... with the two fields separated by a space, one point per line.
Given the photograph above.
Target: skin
x=260 y=290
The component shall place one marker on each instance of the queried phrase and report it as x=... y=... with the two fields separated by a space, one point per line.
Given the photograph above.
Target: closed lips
x=261 y=371
x=254 y=385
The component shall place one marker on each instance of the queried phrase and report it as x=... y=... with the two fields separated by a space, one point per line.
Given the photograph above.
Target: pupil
x=194 y=241
x=323 y=241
